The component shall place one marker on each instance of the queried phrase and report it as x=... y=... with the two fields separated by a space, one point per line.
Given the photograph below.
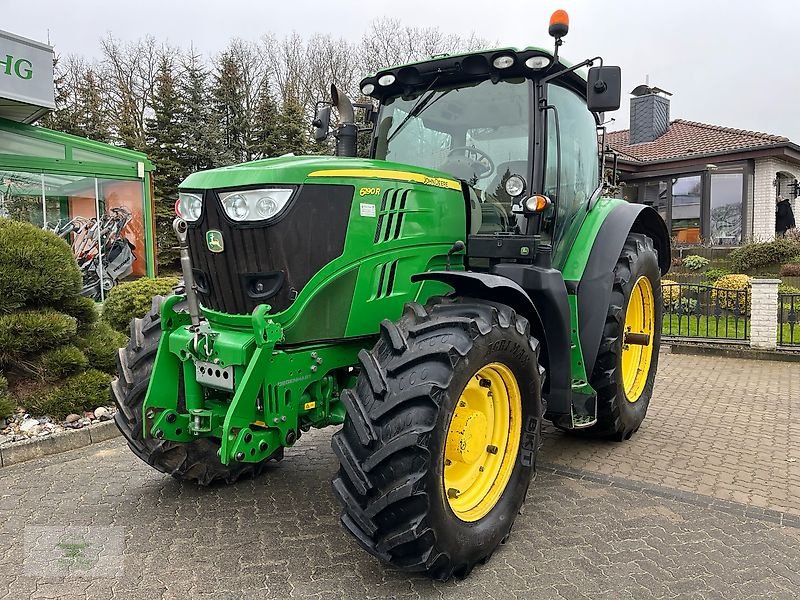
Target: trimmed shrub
x=763 y=254
x=38 y=267
x=713 y=274
x=670 y=292
x=59 y=362
x=792 y=268
x=732 y=301
x=32 y=331
x=133 y=299
x=100 y=344
x=83 y=309
x=78 y=393
x=785 y=288
x=7 y=405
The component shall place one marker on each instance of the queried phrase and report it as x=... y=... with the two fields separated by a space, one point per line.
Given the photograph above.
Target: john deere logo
x=214 y=241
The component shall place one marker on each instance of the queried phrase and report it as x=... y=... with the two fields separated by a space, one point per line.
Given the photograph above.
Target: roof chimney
x=649 y=114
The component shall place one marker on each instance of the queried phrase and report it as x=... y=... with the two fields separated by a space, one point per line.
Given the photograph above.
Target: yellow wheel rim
x=636 y=358
x=482 y=442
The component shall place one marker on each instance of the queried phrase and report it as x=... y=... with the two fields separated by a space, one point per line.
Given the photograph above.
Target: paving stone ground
x=641 y=530
x=728 y=428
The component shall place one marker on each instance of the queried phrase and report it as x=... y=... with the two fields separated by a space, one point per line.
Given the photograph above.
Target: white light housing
x=189 y=206
x=387 y=79
x=503 y=61
x=255 y=205
x=367 y=89
x=515 y=186
x=537 y=62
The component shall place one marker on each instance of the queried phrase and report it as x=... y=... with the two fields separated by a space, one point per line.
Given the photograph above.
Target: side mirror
x=322 y=123
x=603 y=89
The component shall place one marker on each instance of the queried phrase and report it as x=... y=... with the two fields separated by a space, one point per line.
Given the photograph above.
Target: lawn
x=789 y=336
x=731 y=328
x=705 y=326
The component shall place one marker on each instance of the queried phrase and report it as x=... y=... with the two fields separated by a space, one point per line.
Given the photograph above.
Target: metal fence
x=788 y=325
x=694 y=310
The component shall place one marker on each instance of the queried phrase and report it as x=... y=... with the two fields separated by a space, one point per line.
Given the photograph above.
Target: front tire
x=450 y=397
x=624 y=373
x=195 y=461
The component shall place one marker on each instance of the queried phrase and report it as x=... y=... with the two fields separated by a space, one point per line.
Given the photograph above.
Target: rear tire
x=619 y=416
x=392 y=479
x=196 y=461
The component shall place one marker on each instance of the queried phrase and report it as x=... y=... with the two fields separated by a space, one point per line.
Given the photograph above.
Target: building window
x=687 y=193
x=656 y=194
x=726 y=208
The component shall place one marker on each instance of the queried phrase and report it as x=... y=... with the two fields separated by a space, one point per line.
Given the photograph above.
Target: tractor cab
x=519 y=128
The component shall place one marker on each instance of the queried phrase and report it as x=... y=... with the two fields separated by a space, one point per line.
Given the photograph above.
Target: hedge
x=62 y=361
x=83 y=309
x=751 y=257
x=731 y=301
x=133 y=299
x=713 y=274
x=100 y=344
x=28 y=332
x=670 y=292
x=38 y=267
x=78 y=393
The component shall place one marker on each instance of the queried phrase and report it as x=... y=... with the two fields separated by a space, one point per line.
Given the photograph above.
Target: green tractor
x=438 y=300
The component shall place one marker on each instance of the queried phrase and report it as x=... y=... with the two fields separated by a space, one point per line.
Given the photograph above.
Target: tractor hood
x=313 y=169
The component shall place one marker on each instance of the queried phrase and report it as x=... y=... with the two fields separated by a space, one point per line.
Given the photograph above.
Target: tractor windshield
x=478 y=133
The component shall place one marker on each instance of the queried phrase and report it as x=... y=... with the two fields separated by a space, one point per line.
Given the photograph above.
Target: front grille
x=282 y=255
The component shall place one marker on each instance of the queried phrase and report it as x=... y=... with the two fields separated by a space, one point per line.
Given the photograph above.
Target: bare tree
x=388 y=43
x=130 y=69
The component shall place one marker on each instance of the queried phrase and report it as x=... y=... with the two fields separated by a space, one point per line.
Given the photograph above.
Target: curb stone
x=57 y=443
x=735 y=351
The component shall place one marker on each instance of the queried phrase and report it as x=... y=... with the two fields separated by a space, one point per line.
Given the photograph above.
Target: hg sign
x=26 y=78
x=20 y=67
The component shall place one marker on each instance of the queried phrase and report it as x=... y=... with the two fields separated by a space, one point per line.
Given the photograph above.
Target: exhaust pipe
x=347 y=132
x=180 y=227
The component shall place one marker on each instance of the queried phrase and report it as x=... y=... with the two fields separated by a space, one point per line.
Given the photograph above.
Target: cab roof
x=452 y=69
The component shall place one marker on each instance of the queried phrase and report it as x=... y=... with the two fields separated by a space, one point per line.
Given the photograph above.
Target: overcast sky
x=734 y=63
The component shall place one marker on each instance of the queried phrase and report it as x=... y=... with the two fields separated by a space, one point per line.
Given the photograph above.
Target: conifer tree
x=264 y=139
x=228 y=101
x=200 y=123
x=164 y=130
x=293 y=126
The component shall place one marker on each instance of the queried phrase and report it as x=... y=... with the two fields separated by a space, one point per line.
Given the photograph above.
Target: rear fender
x=595 y=285
x=554 y=339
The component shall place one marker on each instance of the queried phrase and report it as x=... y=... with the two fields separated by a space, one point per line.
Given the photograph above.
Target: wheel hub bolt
x=491 y=449
x=171 y=418
x=240 y=456
x=263 y=446
x=160 y=434
x=447 y=462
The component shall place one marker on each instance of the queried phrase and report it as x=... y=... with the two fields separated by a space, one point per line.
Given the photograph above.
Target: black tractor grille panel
x=281 y=256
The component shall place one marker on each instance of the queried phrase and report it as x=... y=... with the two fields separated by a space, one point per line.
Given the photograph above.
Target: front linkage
x=223 y=377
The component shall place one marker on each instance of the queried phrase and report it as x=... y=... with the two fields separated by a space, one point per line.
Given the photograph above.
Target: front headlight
x=255 y=205
x=189 y=206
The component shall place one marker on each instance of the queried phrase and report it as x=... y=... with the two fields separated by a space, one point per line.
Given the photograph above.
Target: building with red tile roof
x=712 y=184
